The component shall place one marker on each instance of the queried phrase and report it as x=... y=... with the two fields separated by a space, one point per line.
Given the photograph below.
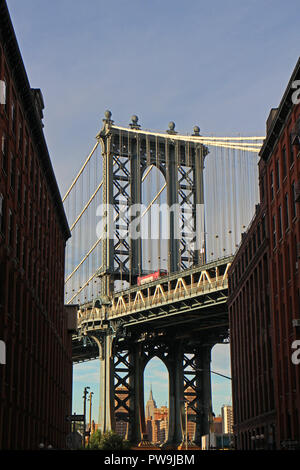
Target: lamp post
x=185 y=438
x=85 y=392
x=262 y=437
x=90 y=420
x=186 y=424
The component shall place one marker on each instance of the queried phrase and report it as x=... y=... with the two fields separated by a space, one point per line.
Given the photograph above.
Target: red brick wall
x=264 y=300
x=36 y=382
x=285 y=278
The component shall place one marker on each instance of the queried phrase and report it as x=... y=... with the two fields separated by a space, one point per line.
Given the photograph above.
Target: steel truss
x=126 y=157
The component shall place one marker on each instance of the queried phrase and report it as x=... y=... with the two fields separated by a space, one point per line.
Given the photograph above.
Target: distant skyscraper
x=150 y=406
x=218 y=425
x=157 y=421
x=227 y=419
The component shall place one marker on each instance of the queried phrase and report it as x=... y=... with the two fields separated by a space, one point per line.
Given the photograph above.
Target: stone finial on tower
x=107 y=117
x=134 y=122
x=171 y=129
x=196 y=131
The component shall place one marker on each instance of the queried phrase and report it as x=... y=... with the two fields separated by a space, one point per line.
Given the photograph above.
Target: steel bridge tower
x=124 y=351
x=127 y=153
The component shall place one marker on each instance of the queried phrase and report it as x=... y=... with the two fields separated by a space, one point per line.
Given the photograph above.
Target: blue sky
x=220 y=64
x=155 y=376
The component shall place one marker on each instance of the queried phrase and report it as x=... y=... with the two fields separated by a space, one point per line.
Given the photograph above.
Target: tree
x=110 y=440
x=95 y=440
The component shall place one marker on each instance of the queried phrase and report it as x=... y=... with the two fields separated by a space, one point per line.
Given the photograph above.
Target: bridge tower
x=127 y=155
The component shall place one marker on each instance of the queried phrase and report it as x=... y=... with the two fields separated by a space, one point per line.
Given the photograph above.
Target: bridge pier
x=106 y=408
x=203 y=392
x=176 y=395
x=122 y=366
x=137 y=430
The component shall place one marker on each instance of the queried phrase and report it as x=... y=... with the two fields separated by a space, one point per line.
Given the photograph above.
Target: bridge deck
x=192 y=299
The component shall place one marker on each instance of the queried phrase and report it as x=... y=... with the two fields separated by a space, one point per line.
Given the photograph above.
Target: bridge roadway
x=184 y=304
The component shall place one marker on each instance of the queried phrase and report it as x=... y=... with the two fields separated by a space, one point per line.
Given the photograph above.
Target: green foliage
x=95 y=440
x=110 y=440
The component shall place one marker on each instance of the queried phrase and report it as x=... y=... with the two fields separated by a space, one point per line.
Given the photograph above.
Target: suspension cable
x=80 y=171
x=82 y=287
x=184 y=137
x=86 y=206
x=100 y=238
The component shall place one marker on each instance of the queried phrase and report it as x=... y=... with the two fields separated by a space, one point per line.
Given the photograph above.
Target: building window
x=12 y=172
x=6 y=95
x=284 y=162
x=18 y=187
x=254 y=243
x=36 y=183
x=1 y=213
x=18 y=244
x=277 y=174
x=26 y=151
x=291 y=150
x=10 y=227
x=274 y=230
x=293 y=200
x=32 y=169
x=20 y=138
x=30 y=214
x=272 y=184
x=25 y=202
x=288 y=263
x=13 y=118
x=4 y=153
x=286 y=203
x=263 y=227
x=279 y=222
x=23 y=253
x=262 y=188
x=258 y=235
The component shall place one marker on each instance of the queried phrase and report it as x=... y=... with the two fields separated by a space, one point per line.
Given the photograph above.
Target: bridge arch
x=154 y=224
x=156 y=399
x=220 y=376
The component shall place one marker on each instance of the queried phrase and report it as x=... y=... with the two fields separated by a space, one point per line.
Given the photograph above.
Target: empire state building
x=150 y=406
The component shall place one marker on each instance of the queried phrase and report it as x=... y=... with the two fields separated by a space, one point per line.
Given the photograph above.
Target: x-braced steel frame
x=126 y=156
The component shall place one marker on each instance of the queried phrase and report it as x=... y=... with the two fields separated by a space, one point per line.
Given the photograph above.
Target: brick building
x=217 y=425
x=36 y=381
x=264 y=285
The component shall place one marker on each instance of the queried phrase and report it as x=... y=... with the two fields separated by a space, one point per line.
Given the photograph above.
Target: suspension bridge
x=155 y=219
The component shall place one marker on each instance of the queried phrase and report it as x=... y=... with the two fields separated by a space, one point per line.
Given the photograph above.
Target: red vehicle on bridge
x=151 y=277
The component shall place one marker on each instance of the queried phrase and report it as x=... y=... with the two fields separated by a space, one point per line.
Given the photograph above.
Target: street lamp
x=90 y=423
x=186 y=424
x=185 y=440
x=85 y=392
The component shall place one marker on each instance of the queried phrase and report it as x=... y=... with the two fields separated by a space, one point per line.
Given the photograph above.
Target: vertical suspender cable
x=149 y=215
x=158 y=232
x=141 y=251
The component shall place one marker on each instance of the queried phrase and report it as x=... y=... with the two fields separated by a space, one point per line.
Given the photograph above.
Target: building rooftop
x=33 y=105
